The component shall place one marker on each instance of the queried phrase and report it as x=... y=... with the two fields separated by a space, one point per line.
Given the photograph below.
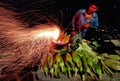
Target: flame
x=63 y=39
x=51 y=32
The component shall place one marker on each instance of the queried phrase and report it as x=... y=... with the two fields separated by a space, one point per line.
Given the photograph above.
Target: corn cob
x=52 y=71
x=85 y=45
x=80 y=53
x=57 y=58
x=86 y=54
x=68 y=69
x=62 y=66
x=81 y=69
x=90 y=63
x=107 y=70
x=84 y=62
x=112 y=64
x=112 y=57
x=45 y=70
x=75 y=69
x=50 y=60
x=76 y=59
x=68 y=58
x=83 y=77
x=55 y=66
x=98 y=69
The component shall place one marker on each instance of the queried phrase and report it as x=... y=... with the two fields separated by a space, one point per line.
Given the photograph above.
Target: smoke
x=22 y=47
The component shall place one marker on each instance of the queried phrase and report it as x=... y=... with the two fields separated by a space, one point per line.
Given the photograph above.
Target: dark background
x=108 y=13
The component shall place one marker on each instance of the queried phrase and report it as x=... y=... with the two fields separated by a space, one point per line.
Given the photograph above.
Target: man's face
x=92 y=8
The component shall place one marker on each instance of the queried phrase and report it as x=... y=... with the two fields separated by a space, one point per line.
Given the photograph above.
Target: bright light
x=51 y=32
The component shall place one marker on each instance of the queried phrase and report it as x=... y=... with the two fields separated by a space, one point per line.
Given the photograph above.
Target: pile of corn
x=80 y=57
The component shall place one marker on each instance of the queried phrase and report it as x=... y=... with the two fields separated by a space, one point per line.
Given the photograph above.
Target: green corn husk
x=83 y=77
x=68 y=58
x=75 y=69
x=112 y=64
x=85 y=47
x=98 y=69
x=68 y=69
x=81 y=69
x=52 y=71
x=90 y=63
x=84 y=60
x=85 y=64
x=80 y=53
x=95 y=43
x=107 y=69
x=112 y=57
x=57 y=58
x=76 y=59
x=56 y=70
x=45 y=70
x=62 y=66
x=50 y=60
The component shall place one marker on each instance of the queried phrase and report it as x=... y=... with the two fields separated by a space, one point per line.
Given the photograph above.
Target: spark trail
x=22 y=47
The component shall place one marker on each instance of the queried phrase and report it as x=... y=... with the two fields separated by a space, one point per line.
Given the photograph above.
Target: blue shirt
x=79 y=19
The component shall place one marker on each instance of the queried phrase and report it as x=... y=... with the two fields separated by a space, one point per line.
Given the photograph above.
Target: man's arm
x=96 y=24
x=73 y=21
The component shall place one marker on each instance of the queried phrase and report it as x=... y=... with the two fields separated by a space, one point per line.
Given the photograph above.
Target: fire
x=51 y=32
x=62 y=39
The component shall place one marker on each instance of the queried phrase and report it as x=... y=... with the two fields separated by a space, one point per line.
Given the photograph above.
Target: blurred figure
x=85 y=19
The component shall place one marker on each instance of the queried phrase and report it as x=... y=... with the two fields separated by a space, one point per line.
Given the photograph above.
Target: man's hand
x=73 y=31
x=87 y=25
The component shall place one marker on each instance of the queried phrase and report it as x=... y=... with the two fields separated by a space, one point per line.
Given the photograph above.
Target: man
x=85 y=19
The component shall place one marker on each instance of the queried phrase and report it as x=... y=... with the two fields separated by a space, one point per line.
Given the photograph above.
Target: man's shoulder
x=82 y=11
x=95 y=14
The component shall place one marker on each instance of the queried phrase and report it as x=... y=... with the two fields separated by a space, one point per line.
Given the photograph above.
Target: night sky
x=108 y=13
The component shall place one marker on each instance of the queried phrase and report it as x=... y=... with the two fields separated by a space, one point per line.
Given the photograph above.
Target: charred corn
x=76 y=59
x=68 y=58
x=50 y=60
x=57 y=58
